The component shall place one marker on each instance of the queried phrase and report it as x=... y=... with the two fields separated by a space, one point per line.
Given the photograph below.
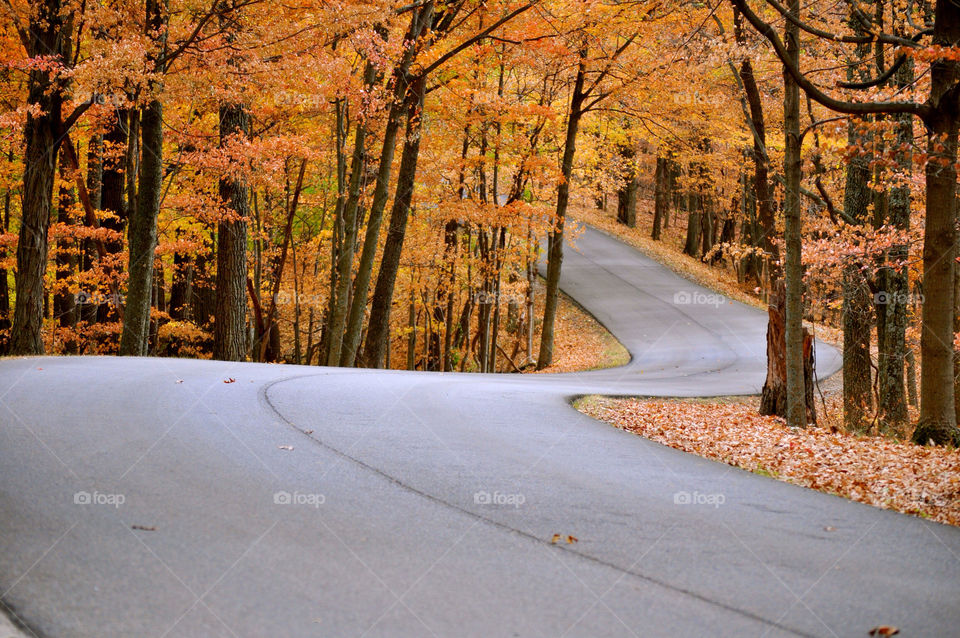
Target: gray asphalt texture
x=303 y=501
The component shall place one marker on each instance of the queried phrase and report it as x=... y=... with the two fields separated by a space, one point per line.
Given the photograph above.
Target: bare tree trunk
x=938 y=420
x=378 y=328
x=892 y=392
x=793 y=270
x=41 y=133
x=555 y=238
x=229 y=328
x=143 y=233
x=661 y=191
x=400 y=80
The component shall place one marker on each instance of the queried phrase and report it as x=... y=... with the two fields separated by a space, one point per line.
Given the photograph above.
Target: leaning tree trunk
x=555 y=238
x=39 y=162
x=400 y=80
x=378 y=331
x=229 y=327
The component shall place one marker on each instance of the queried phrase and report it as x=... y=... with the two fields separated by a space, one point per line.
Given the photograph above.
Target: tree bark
x=379 y=328
x=344 y=264
x=143 y=222
x=793 y=273
x=400 y=81
x=891 y=389
x=937 y=404
x=42 y=138
x=555 y=238
x=661 y=196
x=229 y=327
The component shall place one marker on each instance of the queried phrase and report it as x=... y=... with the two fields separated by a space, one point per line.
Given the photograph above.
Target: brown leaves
x=924 y=481
x=884 y=630
x=557 y=538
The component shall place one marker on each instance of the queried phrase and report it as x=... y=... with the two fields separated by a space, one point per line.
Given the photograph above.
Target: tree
x=43 y=39
x=939 y=113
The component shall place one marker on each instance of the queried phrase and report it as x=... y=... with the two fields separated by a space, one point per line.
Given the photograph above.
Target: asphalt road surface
x=160 y=497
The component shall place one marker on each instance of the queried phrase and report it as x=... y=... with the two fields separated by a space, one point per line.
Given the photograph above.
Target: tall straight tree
x=143 y=219
x=44 y=37
x=229 y=328
x=792 y=228
x=377 y=342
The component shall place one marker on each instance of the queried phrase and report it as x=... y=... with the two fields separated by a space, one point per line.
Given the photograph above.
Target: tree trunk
x=627 y=195
x=857 y=310
x=361 y=285
x=761 y=184
x=555 y=238
x=344 y=264
x=42 y=138
x=938 y=421
x=229 y=327
x=143 y=222
x=143 y=234
x=694 y=226
x=661 y=196
x=891 y=389
x=793 y=270
x=64 y=302
x=379 y=328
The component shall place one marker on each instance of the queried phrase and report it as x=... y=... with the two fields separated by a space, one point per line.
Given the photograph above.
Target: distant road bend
x=149 y=497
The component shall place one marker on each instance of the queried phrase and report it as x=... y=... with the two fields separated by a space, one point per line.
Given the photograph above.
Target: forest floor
x=877 y=470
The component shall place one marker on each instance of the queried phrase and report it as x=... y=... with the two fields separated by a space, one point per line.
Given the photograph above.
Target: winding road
x=164 y=497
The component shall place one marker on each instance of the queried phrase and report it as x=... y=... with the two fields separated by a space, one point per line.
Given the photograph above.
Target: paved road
x=300 y=502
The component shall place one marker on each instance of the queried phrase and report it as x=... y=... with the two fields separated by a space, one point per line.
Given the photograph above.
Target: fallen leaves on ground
x=924 y=481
